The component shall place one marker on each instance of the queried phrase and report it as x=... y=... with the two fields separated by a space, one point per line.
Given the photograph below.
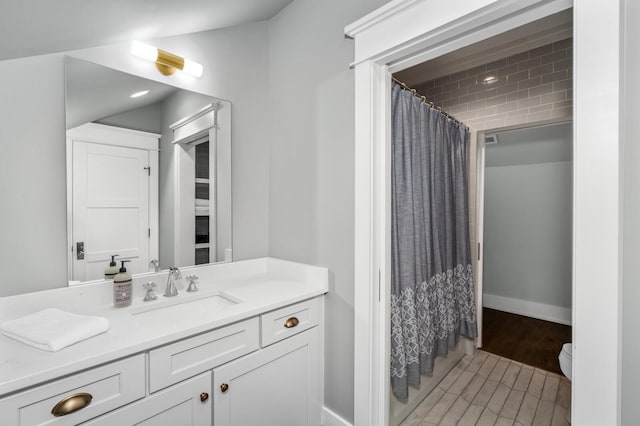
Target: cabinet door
x=186 y=404
x=277 y=385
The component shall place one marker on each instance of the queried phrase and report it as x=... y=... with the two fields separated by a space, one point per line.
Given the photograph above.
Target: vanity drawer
x=178 y=361
x=110 y=386
x=186 y=404
x=290 y=320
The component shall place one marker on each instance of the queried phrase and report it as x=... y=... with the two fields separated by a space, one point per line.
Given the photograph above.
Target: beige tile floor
x=485 y=389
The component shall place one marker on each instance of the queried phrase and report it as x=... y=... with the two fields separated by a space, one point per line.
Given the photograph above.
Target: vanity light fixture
x=167 y=63
x=138 y=94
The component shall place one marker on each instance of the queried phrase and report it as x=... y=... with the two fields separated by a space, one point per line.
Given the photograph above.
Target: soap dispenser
x=112 y=270
x=122 y=287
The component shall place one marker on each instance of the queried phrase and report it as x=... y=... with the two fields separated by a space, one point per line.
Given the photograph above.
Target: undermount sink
x=189 y=303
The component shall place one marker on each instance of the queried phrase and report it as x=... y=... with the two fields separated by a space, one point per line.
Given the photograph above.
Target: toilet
x=565 y=360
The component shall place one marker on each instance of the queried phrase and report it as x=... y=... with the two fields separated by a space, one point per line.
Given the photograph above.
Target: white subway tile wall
x=528 y=87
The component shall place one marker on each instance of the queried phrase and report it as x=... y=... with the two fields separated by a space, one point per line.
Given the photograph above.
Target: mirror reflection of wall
x=112 y=221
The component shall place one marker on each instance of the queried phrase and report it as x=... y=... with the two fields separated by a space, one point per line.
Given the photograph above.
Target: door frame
x=127 y=138
x=187 y=133
x=404 y=33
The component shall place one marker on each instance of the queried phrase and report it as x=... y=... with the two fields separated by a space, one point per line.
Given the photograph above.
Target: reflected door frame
x=93 y=133
x=190 y=131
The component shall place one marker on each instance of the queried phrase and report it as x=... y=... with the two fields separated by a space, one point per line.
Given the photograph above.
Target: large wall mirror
x=148 y=173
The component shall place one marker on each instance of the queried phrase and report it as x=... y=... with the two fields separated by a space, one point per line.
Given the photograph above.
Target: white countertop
x=258 y=285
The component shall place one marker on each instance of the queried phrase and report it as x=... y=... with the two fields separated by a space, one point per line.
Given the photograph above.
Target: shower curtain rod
x=415 y=93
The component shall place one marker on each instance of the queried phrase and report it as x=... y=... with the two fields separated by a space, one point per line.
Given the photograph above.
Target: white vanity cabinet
x=277 y=385
x=177 y=361
x=186 y=404
x=263 y=369
x=79 y=397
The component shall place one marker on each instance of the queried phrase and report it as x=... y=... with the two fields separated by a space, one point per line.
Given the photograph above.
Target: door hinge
x=148 y=169
x=478 y=251
x=379 y=284
x=149 y=232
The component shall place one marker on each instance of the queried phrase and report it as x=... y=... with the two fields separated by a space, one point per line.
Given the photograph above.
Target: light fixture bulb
x=138 y=94
x=144 y=51
x=193 y=68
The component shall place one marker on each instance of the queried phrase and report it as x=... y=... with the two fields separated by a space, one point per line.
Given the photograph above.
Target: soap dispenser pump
x=122 y=287
x=112 y=270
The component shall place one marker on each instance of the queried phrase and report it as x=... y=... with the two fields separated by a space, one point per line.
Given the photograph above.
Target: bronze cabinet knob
x=204 y=396
x=224 y=387
x=291 y=322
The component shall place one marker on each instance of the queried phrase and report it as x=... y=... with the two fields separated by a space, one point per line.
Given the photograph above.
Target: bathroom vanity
x=246 y=349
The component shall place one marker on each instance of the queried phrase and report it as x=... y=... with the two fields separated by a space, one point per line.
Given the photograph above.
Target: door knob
x=224 y=387
x=80 y=250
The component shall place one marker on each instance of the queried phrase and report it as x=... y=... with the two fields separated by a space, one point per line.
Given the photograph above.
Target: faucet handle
x=192 y=283
x=149 y=295
x=176 y=272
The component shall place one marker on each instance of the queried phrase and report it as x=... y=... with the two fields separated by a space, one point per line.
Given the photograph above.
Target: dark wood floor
x=528 y=340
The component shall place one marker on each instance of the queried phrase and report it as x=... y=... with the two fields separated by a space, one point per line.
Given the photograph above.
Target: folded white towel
x=202 y=203
x=52 y=329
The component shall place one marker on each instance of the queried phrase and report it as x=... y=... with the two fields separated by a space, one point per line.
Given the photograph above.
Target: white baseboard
x=541 y=311
x=329 y=418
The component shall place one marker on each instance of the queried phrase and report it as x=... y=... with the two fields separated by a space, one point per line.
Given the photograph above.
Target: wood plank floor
x=487 y=390
x=528 y=340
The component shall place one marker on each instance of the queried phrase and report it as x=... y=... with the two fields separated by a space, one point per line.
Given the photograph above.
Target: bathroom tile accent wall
x=531 y=86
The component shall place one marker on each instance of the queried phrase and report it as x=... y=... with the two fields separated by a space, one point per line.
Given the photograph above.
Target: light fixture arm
x=167 y=63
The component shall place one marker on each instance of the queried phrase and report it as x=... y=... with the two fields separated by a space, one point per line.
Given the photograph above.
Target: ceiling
x=535 y=34
x=36 y=27
x=86 y=83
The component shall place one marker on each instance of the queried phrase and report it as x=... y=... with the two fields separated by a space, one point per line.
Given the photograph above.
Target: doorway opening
x=501 y=87
x=526 y=200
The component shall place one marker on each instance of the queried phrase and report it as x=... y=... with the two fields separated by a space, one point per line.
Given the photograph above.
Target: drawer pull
x=71 y=404
x=224 y=387
x=204 y=396
x=291 y=322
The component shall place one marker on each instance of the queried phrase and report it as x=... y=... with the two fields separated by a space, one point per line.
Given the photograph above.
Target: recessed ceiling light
x=490 y=79
x=140 y=93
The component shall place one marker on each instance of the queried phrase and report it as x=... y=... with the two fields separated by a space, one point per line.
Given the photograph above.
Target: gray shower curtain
x=432 y=300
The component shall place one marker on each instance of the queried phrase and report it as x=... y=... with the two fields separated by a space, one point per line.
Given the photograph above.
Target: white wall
x=527 y=232
x=33 y=220
x=146 y=119
x=631 y=236
x=311 y=104
x=33 y=234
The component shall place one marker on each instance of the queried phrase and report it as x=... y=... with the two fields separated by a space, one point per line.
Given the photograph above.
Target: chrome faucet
x=155 y=264
x=174 y=274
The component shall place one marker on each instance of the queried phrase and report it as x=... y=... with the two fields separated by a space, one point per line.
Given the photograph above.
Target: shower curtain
x=432 y=300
